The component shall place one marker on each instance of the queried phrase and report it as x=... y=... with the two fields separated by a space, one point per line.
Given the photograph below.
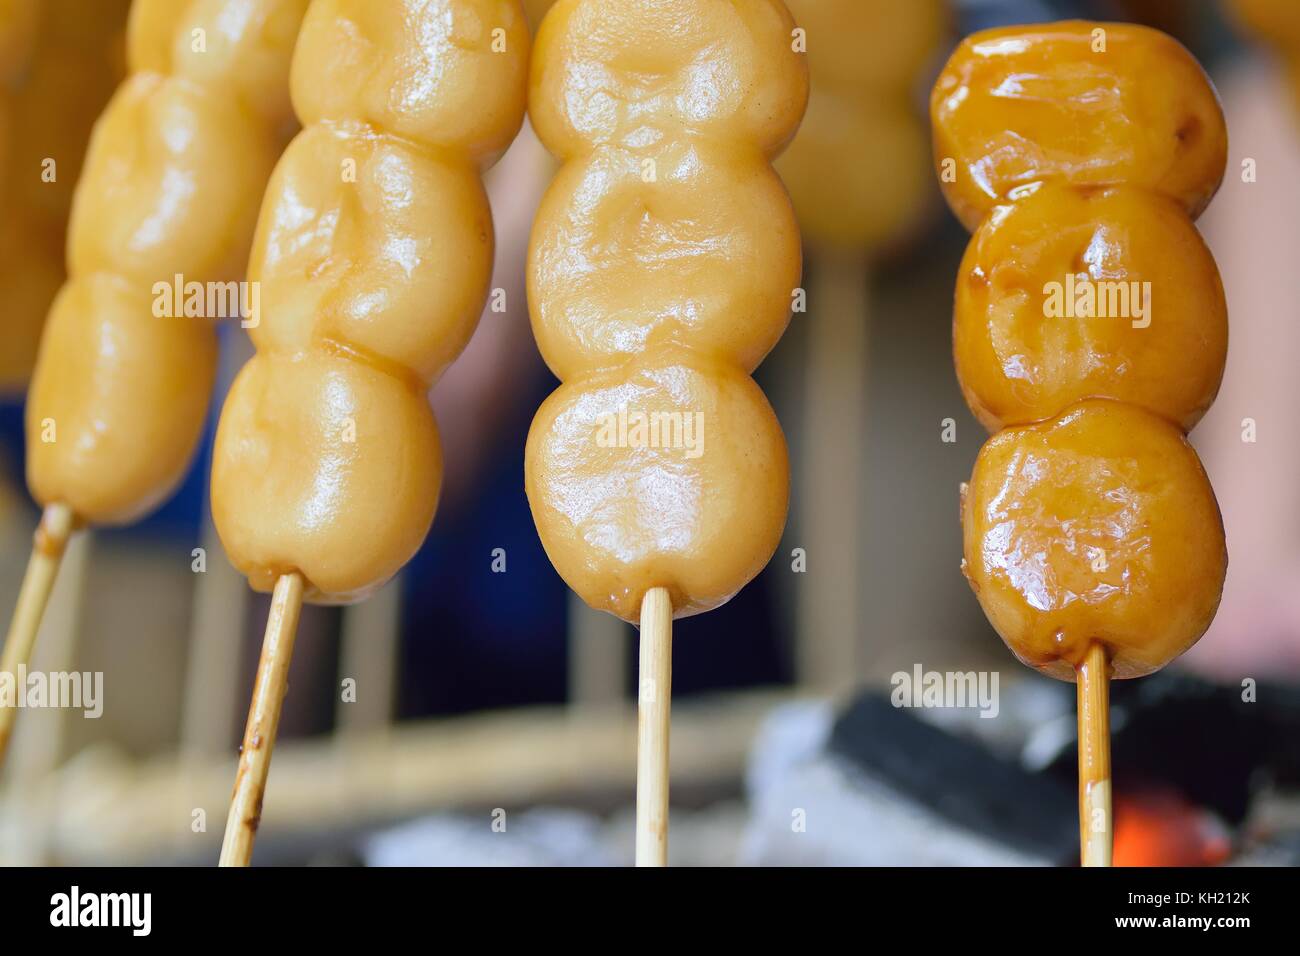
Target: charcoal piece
x=959 y=779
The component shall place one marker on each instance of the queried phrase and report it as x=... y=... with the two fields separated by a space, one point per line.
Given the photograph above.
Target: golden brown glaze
x=327 y=466
x=170 y=186
x=695 y=503
x=244 y=51
x=1051 y=308
x=856 y=170
x=88 y=443
x=399 y=259
x=637 y=74
x=1099 y=525
x=710 y=242
x=661 y=269
x=374 y=252
x=1017 y=107
x=432 y=71
x=1087 y=303
x=170 y=200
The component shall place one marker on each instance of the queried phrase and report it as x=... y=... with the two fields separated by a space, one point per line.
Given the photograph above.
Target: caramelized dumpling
x=168 y=196
x=1075 y=102
x=636 y=73
x=447 y=74
x=84 y=423
x=1099 y=525
x=856 y=171
x=1075 y=293
x=374 y=252
x=169 y=200
x=399 y=255
x=673 y=475
x=305 y=444
x=711 y=242
x=844 y=205
x=660 y=272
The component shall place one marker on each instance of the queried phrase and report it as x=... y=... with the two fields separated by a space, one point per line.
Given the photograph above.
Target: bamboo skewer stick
x=1096 y=837
x=835 y=424
x=263 y=721
x=47 y=553
x=654 y=703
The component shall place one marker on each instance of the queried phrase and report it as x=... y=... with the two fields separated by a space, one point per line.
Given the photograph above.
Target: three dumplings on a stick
x=660 y=274
x=374 y=253
x=1079 y=154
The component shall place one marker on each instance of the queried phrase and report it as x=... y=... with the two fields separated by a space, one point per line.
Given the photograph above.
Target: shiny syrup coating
x=373 y=253
x=661 y=268
x=1073 y=293
x=1016 y=107
x=172 y=178
x=638 y=72
x=1099 y=525
x=698 y=514
x=864 y=57
x=711 y=243
x=1086 y=149
x=666 y=225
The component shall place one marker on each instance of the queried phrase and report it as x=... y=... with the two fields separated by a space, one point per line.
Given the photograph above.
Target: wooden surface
x=114 y=811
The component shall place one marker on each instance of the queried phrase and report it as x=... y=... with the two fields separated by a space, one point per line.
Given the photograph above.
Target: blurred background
x=493 y=719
